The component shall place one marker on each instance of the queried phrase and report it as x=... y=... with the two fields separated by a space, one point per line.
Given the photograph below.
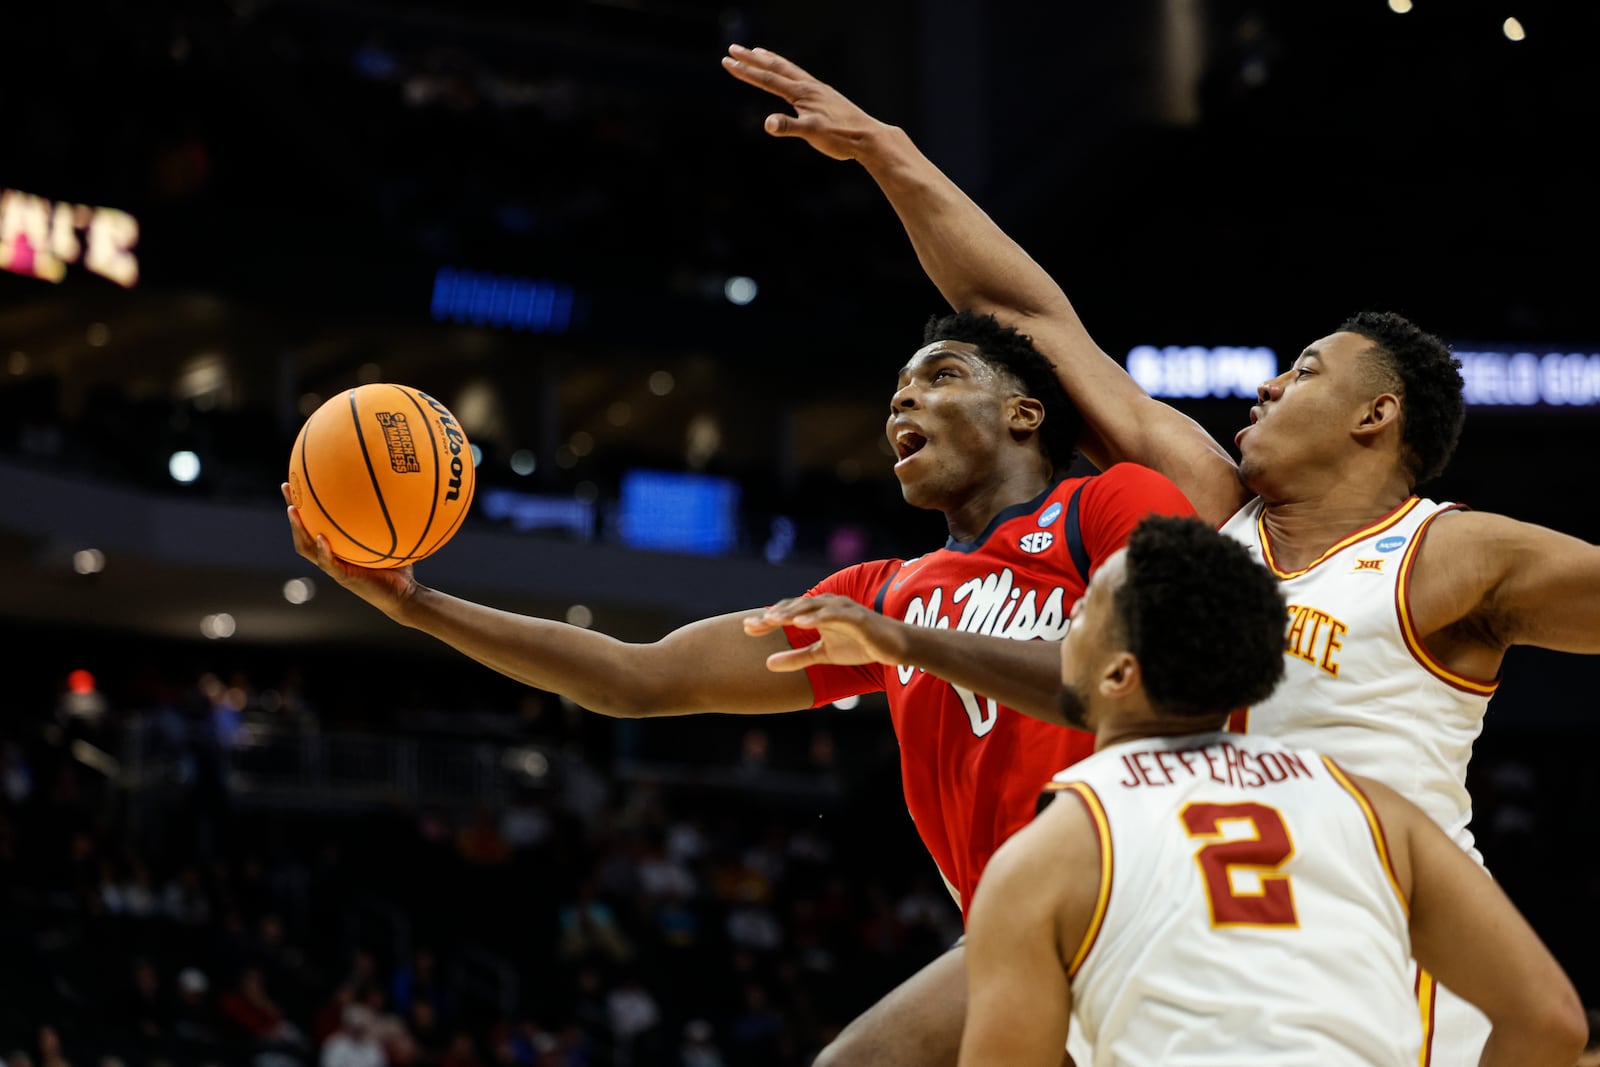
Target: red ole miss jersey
x=973 y=769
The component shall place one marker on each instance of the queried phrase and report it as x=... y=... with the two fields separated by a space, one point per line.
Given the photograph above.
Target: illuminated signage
x=1523 y=378
x=501 y=300
x=40 y=237
x=1191 y=372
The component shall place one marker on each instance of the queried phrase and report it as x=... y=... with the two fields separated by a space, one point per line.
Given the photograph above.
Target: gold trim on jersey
x=1360 y=535
x=1379 y=841
x=1427 y=990
x=1408 y=629
x=1102 y=830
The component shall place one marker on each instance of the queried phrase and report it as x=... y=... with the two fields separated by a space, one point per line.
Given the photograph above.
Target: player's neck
x=1302 y=528
x=1146 y=727
x=972 y=514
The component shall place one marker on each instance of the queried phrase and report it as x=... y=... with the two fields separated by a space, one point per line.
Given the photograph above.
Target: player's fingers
x=786 y=68
x=797 y=659
x=284 y=489
x=775 y=84
x=302 y=540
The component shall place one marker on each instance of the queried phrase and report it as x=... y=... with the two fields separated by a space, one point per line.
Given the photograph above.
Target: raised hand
x=851 y=632
x=824 y=117
x=387 y=590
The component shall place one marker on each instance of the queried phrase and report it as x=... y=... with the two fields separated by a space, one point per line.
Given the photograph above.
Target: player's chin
x=917 y=492
x=922 y=495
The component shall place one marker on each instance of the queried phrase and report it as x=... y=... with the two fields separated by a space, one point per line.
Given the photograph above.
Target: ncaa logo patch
x=1389 y=544
x=1046 y=517
x=1037 y=541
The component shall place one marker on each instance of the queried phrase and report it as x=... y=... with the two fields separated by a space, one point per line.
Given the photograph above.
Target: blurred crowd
x=600 y=920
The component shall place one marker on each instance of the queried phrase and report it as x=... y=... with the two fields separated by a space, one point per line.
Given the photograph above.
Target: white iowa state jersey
x=1358 y=684
x=1247 y=915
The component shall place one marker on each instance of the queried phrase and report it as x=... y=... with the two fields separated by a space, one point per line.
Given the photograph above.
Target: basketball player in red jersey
x=1401 y=608
x=983 y=433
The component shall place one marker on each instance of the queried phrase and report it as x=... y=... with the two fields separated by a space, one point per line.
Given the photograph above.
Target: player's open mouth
x=907 y=443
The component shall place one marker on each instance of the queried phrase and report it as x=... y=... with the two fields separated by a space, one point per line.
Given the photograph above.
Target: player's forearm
x=976 y=265
x=1022 y=675
x=966 y=255
x=1550 y=1043
x=590 y=668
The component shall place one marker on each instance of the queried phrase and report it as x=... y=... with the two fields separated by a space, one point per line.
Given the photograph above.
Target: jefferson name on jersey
x=1223 y=763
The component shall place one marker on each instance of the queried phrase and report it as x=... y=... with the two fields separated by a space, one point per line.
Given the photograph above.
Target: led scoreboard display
x=40 y=238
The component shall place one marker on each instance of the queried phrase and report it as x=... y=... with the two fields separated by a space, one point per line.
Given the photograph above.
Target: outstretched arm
x=975 y=265
x=1468 y=935
x=1483 y=582
x=1022 y=675
x=711 y=665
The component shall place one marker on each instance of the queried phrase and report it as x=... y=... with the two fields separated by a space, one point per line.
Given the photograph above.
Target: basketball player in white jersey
x=1201 y=897
x=1401 y=608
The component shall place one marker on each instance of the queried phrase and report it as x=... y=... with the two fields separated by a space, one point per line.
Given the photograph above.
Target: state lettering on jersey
x=995 y=606
x=1223 y=763
x=1314 y=636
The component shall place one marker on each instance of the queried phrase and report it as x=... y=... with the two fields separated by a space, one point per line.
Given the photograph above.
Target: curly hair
x=1205 y=621
x=1003 y=348
x=1427 y=377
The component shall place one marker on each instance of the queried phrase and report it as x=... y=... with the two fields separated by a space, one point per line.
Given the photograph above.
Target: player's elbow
x=1564 y=1021
x=627 y=700
x=1550 y=1026
x=639 y=686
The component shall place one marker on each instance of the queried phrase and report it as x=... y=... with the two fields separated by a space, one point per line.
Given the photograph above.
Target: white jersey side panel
x=1358 y=684
x=1250 y=917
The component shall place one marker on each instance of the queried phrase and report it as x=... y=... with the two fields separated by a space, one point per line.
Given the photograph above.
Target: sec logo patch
x=1037 y=541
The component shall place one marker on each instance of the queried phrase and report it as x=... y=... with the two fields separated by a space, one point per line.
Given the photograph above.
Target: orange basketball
x=384 y=472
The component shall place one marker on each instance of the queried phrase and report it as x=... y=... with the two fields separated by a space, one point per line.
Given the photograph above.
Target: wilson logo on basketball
x=397 y=436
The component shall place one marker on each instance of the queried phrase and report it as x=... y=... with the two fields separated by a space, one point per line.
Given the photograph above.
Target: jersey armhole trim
x=1379 y=840
x=883 y=591
x=1074 y=532
x=1408 y=630
x=1102 y=831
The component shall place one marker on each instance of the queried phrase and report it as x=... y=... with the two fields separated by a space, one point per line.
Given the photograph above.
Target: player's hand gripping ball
x=384 y=472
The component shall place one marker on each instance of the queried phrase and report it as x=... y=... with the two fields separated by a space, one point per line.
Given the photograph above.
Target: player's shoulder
x=1133 y=481
x=861 y=579
x=1456 y=528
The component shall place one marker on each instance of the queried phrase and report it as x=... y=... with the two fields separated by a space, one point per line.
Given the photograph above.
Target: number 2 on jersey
x=1264 y=852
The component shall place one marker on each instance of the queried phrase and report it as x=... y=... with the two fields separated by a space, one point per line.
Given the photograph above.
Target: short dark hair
x=1005 y=349
x=1432 y=408
x=1203 y=618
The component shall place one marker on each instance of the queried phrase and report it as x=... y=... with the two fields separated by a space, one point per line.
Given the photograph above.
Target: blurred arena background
x=236 y=800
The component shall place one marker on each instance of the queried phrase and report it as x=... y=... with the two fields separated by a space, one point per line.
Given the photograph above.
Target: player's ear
x=1379 y=413
x=1024 y=414
x=1120 y=676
